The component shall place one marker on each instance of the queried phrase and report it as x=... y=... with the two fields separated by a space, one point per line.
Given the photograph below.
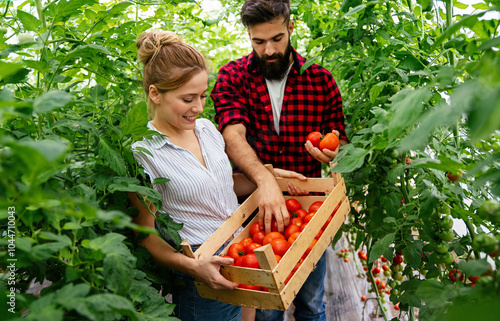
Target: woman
x=188 y=151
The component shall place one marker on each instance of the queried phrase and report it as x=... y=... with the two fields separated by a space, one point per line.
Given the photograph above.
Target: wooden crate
x=272 y=274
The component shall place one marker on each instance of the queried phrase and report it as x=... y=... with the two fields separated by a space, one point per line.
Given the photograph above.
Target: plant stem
x=41 y=15
x=374 y=286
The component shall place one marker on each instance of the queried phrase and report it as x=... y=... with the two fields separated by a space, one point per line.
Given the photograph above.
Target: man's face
x=271 y=46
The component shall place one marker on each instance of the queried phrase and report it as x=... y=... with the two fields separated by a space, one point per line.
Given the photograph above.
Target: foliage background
x=421 y=93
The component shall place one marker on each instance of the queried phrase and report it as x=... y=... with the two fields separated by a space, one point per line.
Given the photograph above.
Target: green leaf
x=117 y=272
x=379 y=247
x=160 y=180
x=51 y=100
x=46 y=250
x=474 y=267
x=30 y=23
x=106 y=306
x=495 y=42
x=135 y=122
x=353 y=160
x=407 y=107
x=70 y=293
x=308 y=64
x=113 y=159
x=412 y=253
x=170 y=228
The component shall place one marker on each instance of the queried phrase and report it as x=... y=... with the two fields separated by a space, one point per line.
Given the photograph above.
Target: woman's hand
x=207 y=271
x=292 y=189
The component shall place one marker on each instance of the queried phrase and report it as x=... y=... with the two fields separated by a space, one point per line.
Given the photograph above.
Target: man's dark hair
x=259 y=11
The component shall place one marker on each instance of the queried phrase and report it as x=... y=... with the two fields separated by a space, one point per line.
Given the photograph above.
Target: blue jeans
x=190 y=306
x=309 y=304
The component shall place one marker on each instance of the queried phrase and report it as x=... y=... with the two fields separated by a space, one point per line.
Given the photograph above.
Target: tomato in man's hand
x=314 y=138
x=330 y=141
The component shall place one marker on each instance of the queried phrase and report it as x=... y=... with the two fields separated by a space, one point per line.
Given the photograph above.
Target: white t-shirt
x=276 y=90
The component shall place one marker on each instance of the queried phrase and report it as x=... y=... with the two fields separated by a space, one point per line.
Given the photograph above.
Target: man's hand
x=325 y=155
x=272 y=204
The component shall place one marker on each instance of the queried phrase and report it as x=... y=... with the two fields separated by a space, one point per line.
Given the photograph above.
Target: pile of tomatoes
x=243 y=251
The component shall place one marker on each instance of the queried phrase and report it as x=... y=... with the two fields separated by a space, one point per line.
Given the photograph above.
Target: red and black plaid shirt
x=311 y=102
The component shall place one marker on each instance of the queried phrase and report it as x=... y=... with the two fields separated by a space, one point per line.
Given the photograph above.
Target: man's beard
x=274 y=70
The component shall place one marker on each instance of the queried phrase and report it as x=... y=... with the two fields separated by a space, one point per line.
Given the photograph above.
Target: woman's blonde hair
x=168 y=62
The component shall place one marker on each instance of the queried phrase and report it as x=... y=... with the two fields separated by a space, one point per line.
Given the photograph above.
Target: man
x=265 y=108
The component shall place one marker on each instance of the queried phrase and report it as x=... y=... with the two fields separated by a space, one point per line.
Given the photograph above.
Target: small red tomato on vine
x=363 y=297
x=454 y=176
x=456 y=274
x=397 y=260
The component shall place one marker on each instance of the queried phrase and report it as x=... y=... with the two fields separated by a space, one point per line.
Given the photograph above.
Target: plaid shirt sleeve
x=229 y=97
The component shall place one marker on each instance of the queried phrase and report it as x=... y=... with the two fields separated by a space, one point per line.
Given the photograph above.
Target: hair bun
x=150 y=42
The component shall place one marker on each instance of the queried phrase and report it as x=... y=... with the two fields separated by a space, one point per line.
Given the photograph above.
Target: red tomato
x=398 y=259
x=330 y=141
x=296 y=221
x=250 y=261
x=236 y=250
x=309 y=249
x=278 y=258
x=314 y=138
x=251 y=248
x=280 y=246
x=250 y=287
x=309 y=217
x=315 y=206
x=292 y=205
x=289 y=277
x=238 y=261
x=328 y=220
x=303 y=227
x=456 y=274
x=246 y=242
x=274 y=225
x=259 y=237
x=293 y=237
x=254 y=228
x=292 y=228
x=300 y=213
x=297 y=265
x=271 y=236
x=319 y=234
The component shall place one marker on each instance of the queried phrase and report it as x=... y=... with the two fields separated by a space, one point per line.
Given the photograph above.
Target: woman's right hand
x=207 y=271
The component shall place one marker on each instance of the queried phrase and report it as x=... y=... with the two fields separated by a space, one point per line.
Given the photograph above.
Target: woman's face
x=177 y=110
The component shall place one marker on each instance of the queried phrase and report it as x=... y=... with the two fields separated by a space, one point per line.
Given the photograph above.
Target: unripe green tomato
x=447 y=235
x=3 y=30
x=444 y=209
x=446 y=222
x=446 y=258
x=441 y=247
x=395 y=292
x=25 y=37
x=496 y=146
x=392 y=283
x=388 y=273
x=490 y=211
x=398 y=276
x=486 y=243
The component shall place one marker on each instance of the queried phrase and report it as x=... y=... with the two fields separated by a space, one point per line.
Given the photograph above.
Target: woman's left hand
x=292 y=189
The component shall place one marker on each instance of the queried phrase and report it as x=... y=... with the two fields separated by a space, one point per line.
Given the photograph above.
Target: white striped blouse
x=200 y=198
